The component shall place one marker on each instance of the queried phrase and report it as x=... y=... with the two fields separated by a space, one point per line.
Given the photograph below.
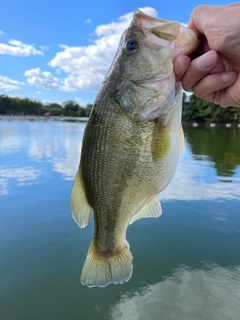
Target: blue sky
x=60 y=50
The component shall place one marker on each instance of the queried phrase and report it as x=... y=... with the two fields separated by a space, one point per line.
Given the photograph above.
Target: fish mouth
x=166 y=33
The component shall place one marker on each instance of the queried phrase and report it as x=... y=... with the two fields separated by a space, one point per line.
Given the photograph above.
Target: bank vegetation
x=194 y=109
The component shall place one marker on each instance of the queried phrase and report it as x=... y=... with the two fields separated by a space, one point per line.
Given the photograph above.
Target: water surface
x=186 y=263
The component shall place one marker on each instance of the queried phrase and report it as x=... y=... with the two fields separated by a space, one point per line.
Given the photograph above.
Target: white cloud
x=46 y=48
x=41 y=79
x=17 y=48
x=88 y=21
x=1 y=32
x=122 y=23
x=86 y=66
x=47 y=102
x=81 y=102
x=38 y=92
x=10 y=84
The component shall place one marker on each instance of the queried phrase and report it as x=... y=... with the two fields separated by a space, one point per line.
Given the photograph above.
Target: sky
x=55 y=51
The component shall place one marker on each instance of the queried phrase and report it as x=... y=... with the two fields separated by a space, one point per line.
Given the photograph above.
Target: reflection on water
x=26 y=146
x=23 y=176
x=59 y=144
x=220 y=146
x=42 y=250
x=212 y=292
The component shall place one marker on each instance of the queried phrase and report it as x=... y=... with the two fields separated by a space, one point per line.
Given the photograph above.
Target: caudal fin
x=100 y=271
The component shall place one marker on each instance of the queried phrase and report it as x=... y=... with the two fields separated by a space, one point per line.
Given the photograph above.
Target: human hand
x=214 y=73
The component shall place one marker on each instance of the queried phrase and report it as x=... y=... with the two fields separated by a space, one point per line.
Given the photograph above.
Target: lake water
x=186 y=263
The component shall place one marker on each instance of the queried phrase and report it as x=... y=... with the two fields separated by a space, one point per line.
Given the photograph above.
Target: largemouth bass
x=131 y=144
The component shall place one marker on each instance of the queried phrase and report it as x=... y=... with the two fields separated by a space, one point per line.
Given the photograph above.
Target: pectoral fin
x=181 y=142
x=152 y=209
x=160 y=142
x=81 y=210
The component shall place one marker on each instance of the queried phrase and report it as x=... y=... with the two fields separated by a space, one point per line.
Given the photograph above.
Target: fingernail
x=207 y=60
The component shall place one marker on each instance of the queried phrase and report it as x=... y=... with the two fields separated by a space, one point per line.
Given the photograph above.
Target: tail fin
x=101 y=271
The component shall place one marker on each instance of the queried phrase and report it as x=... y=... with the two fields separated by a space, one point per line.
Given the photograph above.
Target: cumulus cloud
x=47 y=101
x=82 y=102
x=10 y=84
x=86 y=66
x=44 y=48
x=17 y=48
x=122 y=23
x=42 y=79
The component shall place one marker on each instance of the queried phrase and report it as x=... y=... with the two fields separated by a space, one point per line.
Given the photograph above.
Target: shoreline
x=194 y=124
x=42 y=118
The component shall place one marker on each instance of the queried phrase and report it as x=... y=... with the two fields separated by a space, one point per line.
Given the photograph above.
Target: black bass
x=131 y=144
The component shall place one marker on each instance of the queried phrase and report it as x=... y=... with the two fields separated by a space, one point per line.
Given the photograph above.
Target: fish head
x=144 y=80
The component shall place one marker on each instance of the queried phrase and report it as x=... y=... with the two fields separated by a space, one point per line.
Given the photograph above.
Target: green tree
x=55 y=109
x=201 y=111
x=71 y=109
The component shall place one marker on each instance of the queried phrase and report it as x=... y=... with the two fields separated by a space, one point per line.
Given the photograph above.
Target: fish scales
x=131 y=144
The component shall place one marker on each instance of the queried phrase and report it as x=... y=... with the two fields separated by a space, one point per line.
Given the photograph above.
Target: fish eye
x=132 y=46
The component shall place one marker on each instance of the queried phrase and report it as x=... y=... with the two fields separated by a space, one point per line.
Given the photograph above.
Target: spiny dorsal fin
x=152 y=209
x=81 y=210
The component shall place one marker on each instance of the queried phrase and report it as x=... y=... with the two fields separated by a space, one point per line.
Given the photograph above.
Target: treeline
x=196 y=109
x=17 y=106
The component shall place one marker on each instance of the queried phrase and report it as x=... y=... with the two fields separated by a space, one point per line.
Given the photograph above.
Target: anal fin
x=152 y=209
x=81 y=209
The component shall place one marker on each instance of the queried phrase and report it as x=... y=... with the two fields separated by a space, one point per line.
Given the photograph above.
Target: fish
x=131 y=145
